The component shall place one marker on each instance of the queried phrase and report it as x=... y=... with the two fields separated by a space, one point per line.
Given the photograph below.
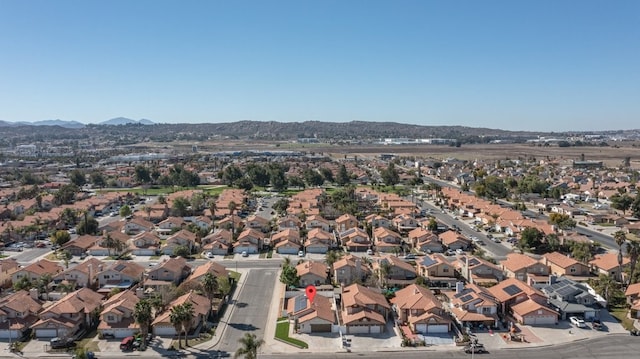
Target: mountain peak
x=125 y=121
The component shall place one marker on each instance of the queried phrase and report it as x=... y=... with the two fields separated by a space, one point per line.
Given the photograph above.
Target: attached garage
x=358 y=329
x=375 y=329
x=321 y=328
x=120 y=333
x=317 y=249
x=288 y=250
x=13 y=334
x=530 y=312
x=164 y=331
x=432 y=328
x=46 y=333
x=248 y=249
x=540 y=320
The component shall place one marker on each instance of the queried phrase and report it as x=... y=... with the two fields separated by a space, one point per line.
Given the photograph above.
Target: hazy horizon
x=522 y=66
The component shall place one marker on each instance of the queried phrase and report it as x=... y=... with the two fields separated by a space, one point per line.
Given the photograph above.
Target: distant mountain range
x=75 y=124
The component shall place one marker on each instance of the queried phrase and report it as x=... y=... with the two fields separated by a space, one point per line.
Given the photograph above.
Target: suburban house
x=258 y=223
x=316 y=221
x=286 y=241
x=346 y=222
x=289 y=222
x=69 y=314
x=607 y=264
x=349 y=269
x=437 y=270
x=173 y=270
x=82 y=275
x=453 y=240
x=218 y=242
x=376 y=220
x=145 y=244
x=80 y=245
x=36 y=270
x=181 y=238
x=308 y=317
x=386 y=240
x=355 y=240
x=562 y=265
x=312 y=273
x=117 y=315
x=571 y=298
x=137 y=225
x=318 y=241
x=472 y=305
x=633 y=300
x=214 y=268
x=404 y=222
x=201 y=307
x=249 y=241
x=364 y=311
x=121 y=274
x=18 y=312
x=521 y=266
x=526 y=304
x=479 y=271
x=394 y=271
x=165 y=227
x=424 y=240
x=7 y=267
x=421 y=310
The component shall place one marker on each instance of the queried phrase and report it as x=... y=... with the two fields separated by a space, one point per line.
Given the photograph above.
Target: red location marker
x=311 y=292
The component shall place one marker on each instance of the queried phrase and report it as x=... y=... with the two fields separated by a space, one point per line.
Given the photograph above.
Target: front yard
x=282 y=333
x=621 y=314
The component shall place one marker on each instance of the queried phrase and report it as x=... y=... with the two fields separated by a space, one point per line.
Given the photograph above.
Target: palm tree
x=210 y=287
x=188 y=313
x=633 y=252
x=175 y=317
x=249 y=346
x=606 y=286
x=142 y=315
x=43 y=283
x=65 y=288
x=232 y=208
x=620 y=237
x=108 y=243
x=213 y=207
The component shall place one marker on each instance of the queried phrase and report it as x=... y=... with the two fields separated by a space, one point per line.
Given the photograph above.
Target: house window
x=445 y=270
x=572 y=270
x=111 y=318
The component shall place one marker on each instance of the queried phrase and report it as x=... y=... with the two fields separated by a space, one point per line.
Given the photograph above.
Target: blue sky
x=549 y=65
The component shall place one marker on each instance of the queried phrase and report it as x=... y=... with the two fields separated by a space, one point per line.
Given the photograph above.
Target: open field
x=611 y=155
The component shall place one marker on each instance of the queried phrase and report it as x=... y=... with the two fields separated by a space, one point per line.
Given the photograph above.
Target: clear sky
x=548 y=65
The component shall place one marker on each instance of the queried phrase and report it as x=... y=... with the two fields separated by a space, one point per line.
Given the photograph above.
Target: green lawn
x=88 y=342
x=282 y=333
x=621 y=315
x=235 y=275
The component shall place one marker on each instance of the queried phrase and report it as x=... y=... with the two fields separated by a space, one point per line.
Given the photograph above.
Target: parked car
x=459 y=251
x=245 y=254
x=475 y=348
x=208 y=255
x=369 y=252
x=578 y=322
x=300 y=254
x=59 y=343
x=127 y=343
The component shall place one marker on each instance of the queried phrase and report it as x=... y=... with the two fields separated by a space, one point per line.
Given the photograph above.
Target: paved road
x=609 y=347
x=251 y=311
x=29 y=254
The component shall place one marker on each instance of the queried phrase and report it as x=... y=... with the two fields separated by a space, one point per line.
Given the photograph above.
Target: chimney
x=33 y=293
x=459 y=287
x=553 y=279
x=140 y=292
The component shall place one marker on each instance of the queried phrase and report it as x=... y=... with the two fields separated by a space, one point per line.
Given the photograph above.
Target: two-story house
x=145 y=244
x=69 y=314
x=173 y=270
x=479 y=271
x=249 y=241
x=404 y=223
x=364 y=310
x=525 y=303
x=18 y=312
x=562 y=265
x=425 y=241
x=386 y=240
x=437 y=270
x=472 y=305
x=258 y=223
x=218 y=242
x=393 y=271
x=35 y=270
x=421 y=310
x=289 y=222
x=312 y=273
x=318 y=241
x=286 y=241
x=117 y=315
x=453 y=240
x=607 y=264
x=524 y=268
x=122 y=274
x=346 y=222
x=350 y=269
x=181 y=238
x=317 y=221
x=355 y=240
x=571 y=298
x=82 y=275
x=162 y=325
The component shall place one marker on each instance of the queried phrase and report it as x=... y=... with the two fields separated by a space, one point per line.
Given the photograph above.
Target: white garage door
x=376 y=329
x=251 y=250
x=317 y=250
x=46 y=333
x=433 y=328
x=540 y=320
x=164 y=331
x=4 y=334
x=358 y=329
x=288 y=250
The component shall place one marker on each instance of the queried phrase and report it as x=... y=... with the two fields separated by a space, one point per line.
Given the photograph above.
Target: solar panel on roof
x=428 y=261
x=463 y=292
x=466 y=298
x=512 y=289
x=119 y=267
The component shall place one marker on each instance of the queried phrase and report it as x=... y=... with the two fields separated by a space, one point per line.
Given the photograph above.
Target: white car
x=300 y=254
x=577 y=322
x=459 y=251
x=245 y=254
x=208 y=255
x=370 y=252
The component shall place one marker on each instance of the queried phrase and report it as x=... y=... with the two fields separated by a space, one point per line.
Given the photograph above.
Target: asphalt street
x=608 y=347
x=251 y=310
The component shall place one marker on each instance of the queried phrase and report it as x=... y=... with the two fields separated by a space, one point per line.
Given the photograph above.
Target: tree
x=213 y=207
x=390 y=175
x=65 y=256
x=142 y=174
x=277 y=177
x=97 y=179
x=88 y=226
x=125 y=211
x=60 y=238
x=210 y=287
x=77 y=178
x=180 y=207
x=620 y=237
x=176 y=316
x=182 y=251
x=231 y=174
x=343 y=177
x=24 y=283
x=289 y=276
x=65 y=194
x=606 y=287
x=281 y=205
x=432 y=225
x=249 y=345
x=332 y=257
x=622 y=202
x=562 y=221
x=313 y=178
x=188 y=313
x=633 y=252
x=143 y=316
x=530 y=238
x=258 y=175
x=327 y=174
x=43 y=284
x=224 y=286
